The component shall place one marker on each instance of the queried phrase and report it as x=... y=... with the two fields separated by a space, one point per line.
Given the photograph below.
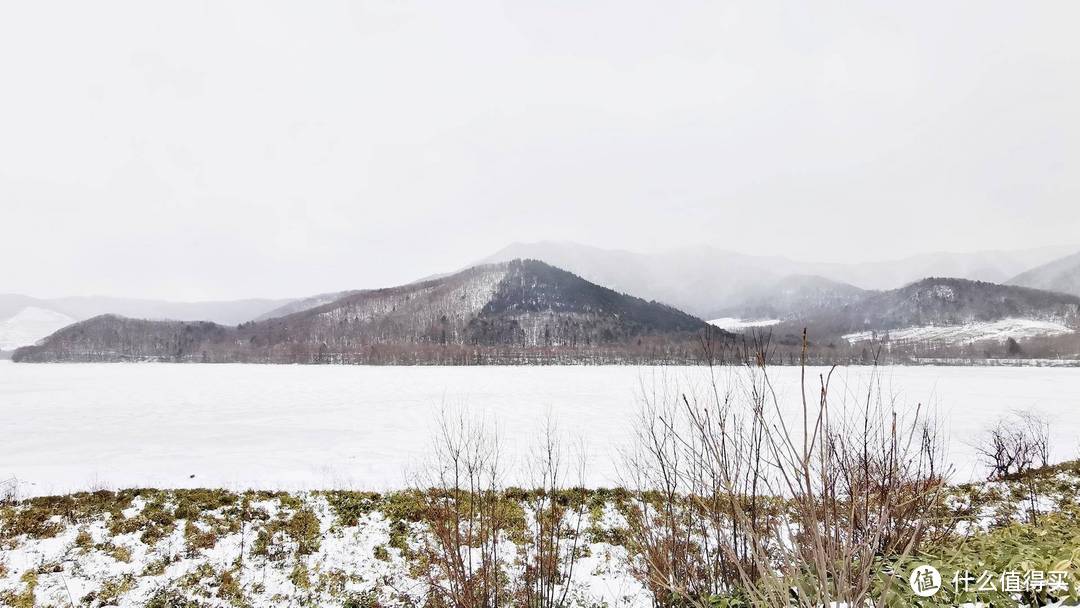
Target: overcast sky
x=193 y=150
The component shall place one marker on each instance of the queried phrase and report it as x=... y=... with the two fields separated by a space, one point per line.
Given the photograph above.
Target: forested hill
x=511 y=312
x=943 y=302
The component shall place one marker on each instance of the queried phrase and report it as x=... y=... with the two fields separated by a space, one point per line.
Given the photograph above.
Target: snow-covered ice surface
x=30 y=325
x=735 y=324
x=999 y=330
x=68 y=427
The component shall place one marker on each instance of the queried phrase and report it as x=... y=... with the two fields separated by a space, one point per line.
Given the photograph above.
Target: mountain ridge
x=26 y=319
x=1061 y=275
x=938 y=301
x=706 y=281
x=485 y=314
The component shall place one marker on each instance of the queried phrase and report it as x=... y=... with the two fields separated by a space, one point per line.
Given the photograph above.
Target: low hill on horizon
x=951 y=320
x=25 y=319
x=934 y=301
x=937 y=301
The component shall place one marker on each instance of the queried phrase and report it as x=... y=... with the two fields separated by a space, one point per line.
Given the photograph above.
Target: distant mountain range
x=25 y=320
x=712 y=282
x=302 y=304
x=1062 y=275
x=938 y=302
x=83 y=307
x=794 y=296
x=740 y=291
x=517 y=311
x=932 y=320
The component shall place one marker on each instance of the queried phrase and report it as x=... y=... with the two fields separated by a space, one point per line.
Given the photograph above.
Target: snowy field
x=999 y=330
x=66 y=427
x=737 y=325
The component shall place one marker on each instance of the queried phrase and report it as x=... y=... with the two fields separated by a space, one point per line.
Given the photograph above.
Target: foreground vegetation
x=146 y=547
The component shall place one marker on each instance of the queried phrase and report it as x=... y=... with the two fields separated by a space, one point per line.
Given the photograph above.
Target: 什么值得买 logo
x=925 y=580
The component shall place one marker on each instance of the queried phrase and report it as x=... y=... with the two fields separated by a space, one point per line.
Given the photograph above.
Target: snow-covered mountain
x=520 y=311
x=29 y=325
x=944 y=310
x=1061 y=275
x=700 y=280
x=950 y=301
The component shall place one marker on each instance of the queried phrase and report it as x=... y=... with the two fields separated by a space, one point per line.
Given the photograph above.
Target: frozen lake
x=67 y=427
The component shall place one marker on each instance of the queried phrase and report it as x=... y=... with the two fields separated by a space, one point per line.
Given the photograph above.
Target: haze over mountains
x=518 y=311
x=711 y=282
x=25 y=320
x=83 y=307
x=1058 y=275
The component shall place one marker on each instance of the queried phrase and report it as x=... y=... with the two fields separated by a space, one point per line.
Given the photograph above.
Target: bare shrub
x=463 y=510
x=554 y=513
x=1013 y=447
x=694 y=469
x=467 y=558
x=9 y=491
x=1016 y=444
x=742 y=497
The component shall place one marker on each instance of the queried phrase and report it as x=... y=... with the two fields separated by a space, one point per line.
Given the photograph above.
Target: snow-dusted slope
x=1000 y=330
x=30 y=325
x=1060 y=275
x=303 y=304
x=736 y=324
x=79 y=308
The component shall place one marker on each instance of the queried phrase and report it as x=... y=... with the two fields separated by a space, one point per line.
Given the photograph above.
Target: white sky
x=193 y=150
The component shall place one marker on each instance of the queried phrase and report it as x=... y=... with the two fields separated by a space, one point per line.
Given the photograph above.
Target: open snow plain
x=69 y=427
